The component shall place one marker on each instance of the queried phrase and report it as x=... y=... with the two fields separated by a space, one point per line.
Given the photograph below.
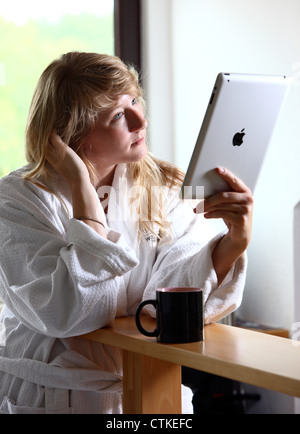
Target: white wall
x=158 y=76
x=186 y=43
x=297 y=269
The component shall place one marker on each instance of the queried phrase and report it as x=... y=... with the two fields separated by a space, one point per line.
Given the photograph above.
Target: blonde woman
x=87 y=231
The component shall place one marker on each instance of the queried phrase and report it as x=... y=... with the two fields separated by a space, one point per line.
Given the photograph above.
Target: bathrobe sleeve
x=60 y=279
x=187 y=261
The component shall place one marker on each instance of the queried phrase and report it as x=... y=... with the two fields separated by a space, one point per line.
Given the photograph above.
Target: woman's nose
x=137 y=122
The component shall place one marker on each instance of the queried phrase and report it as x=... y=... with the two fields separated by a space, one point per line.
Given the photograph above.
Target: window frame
x=127 y=29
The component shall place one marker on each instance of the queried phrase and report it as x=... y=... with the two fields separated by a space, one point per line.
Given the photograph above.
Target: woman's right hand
x=66 y=162
x=71 y=167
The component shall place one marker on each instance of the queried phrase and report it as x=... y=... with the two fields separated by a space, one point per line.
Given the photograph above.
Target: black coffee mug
x=179 y=315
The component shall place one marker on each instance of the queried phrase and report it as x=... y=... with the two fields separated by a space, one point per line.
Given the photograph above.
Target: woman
x=71 y=263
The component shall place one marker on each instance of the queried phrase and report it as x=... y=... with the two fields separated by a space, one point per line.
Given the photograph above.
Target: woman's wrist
x=224 y=255
x=87 y=207
x=84 y=218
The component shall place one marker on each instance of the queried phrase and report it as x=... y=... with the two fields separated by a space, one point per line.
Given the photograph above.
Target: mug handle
x=138 y=321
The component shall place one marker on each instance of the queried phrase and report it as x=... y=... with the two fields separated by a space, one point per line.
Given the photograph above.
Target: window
x=128 y=31
x=32 y=34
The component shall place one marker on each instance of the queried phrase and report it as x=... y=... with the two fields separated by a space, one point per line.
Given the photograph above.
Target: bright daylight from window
x=32 y=34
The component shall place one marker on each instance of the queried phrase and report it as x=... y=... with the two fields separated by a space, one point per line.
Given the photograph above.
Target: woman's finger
x=233 y=181
x=228 y=201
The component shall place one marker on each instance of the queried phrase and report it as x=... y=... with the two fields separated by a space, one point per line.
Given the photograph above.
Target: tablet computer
x=235 y=133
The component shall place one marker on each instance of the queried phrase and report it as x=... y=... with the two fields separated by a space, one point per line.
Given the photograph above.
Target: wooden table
x=152 y=371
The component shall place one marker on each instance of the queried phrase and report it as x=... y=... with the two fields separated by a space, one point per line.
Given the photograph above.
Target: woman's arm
x=186 y=260
x=71 y=167
x=59 y=277
x=236 y=209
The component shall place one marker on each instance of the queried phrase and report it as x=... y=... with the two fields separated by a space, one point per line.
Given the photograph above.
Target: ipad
x=236 y=132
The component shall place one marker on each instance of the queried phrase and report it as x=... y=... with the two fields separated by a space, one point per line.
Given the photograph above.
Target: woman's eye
x=118 y=116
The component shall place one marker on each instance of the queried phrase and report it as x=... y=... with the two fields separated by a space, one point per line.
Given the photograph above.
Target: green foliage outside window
x=25 y=51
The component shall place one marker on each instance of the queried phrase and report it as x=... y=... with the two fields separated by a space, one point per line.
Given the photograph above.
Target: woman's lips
x=138 y=142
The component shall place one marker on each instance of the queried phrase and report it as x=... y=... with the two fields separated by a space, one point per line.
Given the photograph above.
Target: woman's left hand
x=235 y=208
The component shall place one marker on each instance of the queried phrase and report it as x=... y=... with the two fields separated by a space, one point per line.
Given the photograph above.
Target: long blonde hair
x=69 y=96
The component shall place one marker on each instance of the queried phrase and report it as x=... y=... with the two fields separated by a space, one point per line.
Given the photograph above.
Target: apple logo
x=238 y=138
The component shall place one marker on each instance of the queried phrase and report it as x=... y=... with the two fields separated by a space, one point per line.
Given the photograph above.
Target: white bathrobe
x=60 y=279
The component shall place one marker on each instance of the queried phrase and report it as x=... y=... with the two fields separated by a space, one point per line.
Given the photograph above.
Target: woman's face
x=118 y=135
